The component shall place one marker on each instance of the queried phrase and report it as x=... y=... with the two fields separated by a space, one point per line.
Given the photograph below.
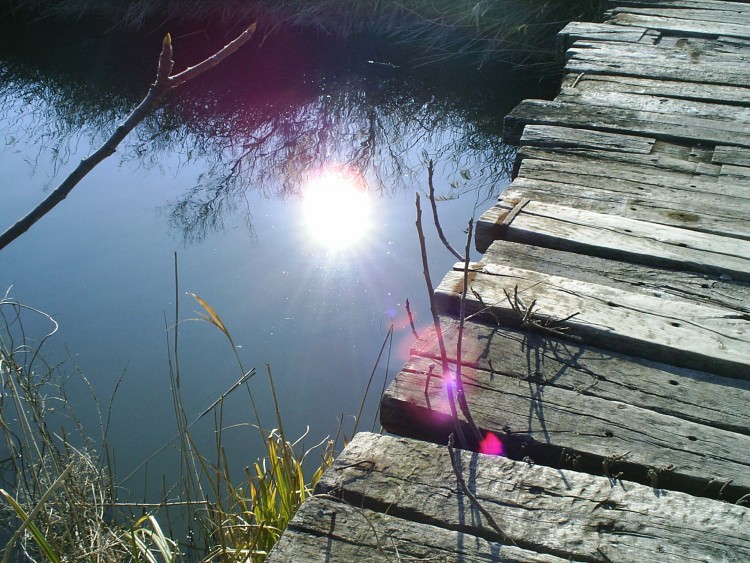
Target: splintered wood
x=605 y=356
x=394 y=499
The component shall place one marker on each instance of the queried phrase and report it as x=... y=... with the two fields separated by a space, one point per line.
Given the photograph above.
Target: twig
x=430 y=172
x=462 y=316
x=161 y=86
x=529 y=319
x=490 y=520
x=411 y=321
x=438 y=329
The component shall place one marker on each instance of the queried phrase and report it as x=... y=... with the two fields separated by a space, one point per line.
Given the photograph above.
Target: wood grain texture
x=658 y=328
x=612 y=82
x=537 y=359
x=561 y=428
x=632 y=120
x=637 y=278
x=617 y=238
x=684 y=62
x=558 y=137
x=689 y=26
x=689 y=209
x=326 y=530
x=561 y=513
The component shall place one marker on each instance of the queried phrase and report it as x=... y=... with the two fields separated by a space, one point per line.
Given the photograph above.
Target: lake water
x=217 y=176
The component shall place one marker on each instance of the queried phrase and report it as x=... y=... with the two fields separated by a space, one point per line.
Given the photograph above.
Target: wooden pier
x=607 y=349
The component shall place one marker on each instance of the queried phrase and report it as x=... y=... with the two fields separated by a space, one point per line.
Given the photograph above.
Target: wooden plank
x=617 y=238
x=624 y=154
x=544 y=510
x=551 y=136
x=663 y=206
x=673 y=126
x=688 y=16
x=636 y=278
x=731 y=5
x=689 y=27
x=689 y=109
x=590 y=83
x=686 y=170
x=561 y=428
x=643 y=61
x=654 y=327
x=732 y=155
x=538 y=359
x=327 y=530
x=597 y=32
x=589 y=169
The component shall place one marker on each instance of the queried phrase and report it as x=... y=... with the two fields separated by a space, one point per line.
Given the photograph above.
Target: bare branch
x=161 y=86
x=411 y=321
x=462 y=317
x=438 y=330
x=430 y=173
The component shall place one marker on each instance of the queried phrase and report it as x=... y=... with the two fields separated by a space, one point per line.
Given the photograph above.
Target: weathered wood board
x=565 y=429
x=738 y=6
x=727 y=116
x=661 y=205
x=575 y=31
x=690 y=172
x=628 y=120
x=688 y=24
x=634 y=158
x=542 y=360
x=325 y=529
x=608 y=236
x=561 y=513
x=593 y=83
x=692 y=169
x=567 y=137
x=684 y=62
x=636 y=278
x=659 y=328
x=732 y=156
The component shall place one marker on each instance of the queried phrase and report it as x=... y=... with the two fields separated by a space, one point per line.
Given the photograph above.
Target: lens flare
x=336 y=208
x=491 y=445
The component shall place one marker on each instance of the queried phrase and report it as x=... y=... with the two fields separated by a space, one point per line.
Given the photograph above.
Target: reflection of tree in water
x=384 y=129
x=265 y=127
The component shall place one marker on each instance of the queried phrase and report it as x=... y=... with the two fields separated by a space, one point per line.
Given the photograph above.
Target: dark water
x=216 y=176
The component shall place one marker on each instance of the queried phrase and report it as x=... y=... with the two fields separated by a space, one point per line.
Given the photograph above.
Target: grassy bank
x=59 y=496
x=521 y=31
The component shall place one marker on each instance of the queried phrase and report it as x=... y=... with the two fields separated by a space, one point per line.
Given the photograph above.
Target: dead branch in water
x=430 y=173
x=163 y=84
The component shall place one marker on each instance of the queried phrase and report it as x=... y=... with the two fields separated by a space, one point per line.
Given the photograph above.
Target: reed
x=58 y=499
x=484 y=29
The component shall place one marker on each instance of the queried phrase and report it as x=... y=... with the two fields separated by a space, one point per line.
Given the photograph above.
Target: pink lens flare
x=491 y=445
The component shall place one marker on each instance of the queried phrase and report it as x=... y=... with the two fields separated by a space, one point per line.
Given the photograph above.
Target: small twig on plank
x=430 y=172
x=534 y=321
x=436 y=321
x=609 y=461
x=411 y=321
x=462 y=483
x=743 y=500
x=161 y=86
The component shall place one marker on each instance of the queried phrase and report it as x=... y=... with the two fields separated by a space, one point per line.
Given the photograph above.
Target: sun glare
x=337 y=209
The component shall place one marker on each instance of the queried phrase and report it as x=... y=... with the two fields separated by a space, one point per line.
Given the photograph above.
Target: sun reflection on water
x=336 y=208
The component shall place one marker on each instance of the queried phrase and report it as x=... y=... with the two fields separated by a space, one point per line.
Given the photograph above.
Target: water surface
x=216 y=176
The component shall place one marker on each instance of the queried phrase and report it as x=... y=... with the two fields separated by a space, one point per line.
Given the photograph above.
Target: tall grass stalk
x=55 y=485
x=58 y=489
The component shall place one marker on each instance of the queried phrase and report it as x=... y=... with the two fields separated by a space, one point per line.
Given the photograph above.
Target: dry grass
x=484 y=29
